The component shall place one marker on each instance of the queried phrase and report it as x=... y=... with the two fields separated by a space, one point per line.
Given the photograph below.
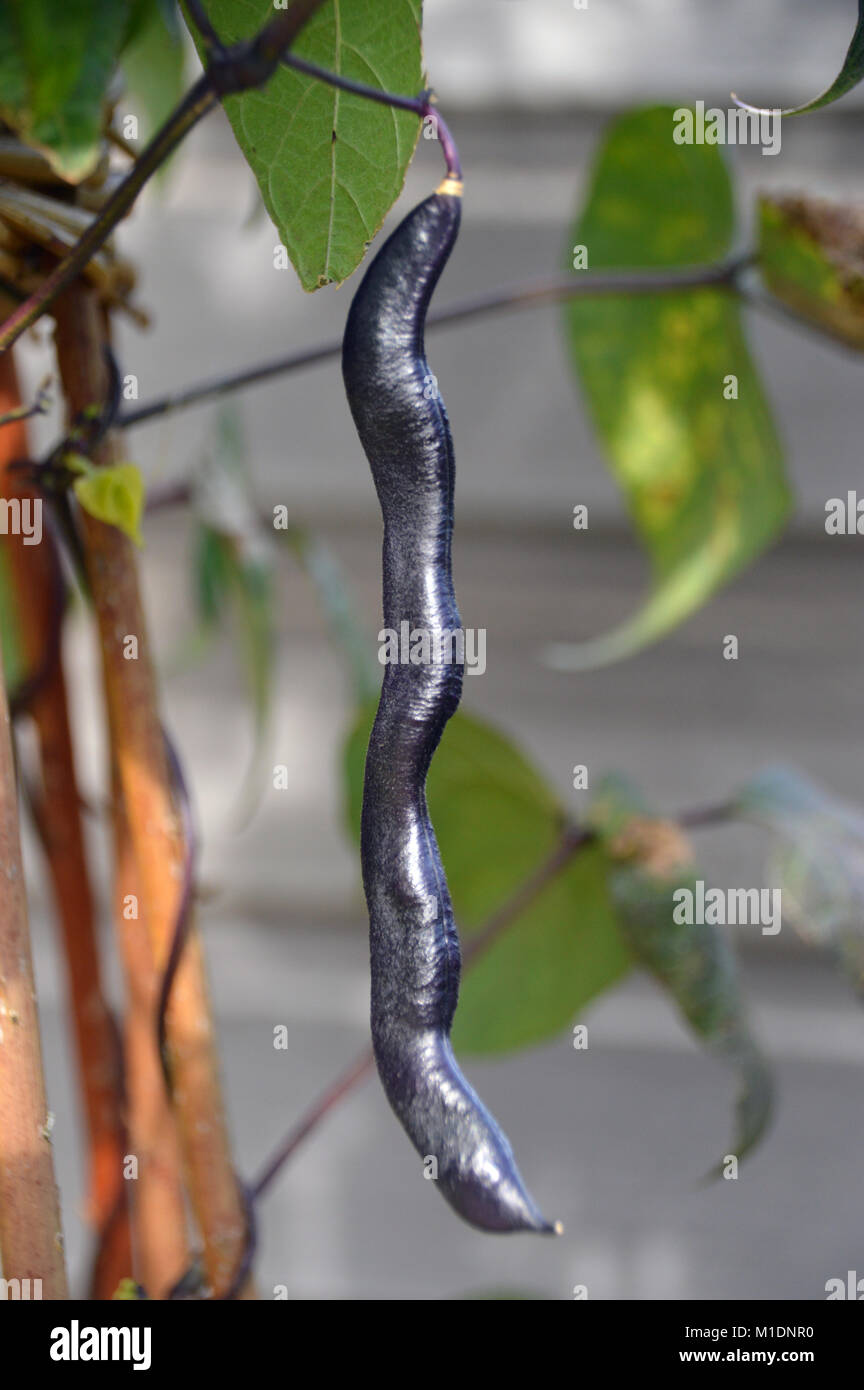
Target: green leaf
x=810 y=259
x=211 y=571
x=848 y=77
x=649 y=861
x=154 y=63
x=56 y=61
x=702 y=476
x=114 y=494
x=497 y=822
x=329 y=165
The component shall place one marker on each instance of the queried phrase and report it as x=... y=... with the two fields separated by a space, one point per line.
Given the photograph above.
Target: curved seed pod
x=414 y=946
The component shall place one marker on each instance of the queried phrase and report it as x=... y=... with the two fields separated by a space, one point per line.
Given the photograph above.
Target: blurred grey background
x=614 y=1140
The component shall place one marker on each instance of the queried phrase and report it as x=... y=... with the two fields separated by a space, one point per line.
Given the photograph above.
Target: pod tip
x=558 y=1228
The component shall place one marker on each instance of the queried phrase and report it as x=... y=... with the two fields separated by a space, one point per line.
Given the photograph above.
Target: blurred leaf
x=320 y=565
x=235 y=575
x=154 y=62
x=212 y=575
x=811 y=255
x=56 y=61
x=11 y=645
x=231 y=581
x=819 y=859
x=848 y=77
x=330 y=165
x=127 y=1289
x=701 y=475
x=115 y=495
x=497 y=822
x=650 y=860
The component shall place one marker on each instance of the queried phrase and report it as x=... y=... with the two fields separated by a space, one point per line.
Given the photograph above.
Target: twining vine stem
x=422 y=105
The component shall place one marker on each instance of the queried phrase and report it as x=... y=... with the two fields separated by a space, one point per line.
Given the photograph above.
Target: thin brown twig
x=26 y=412
x=557 y=289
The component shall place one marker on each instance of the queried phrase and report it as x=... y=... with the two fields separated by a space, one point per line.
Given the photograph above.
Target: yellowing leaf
x=669 y=382
x=811 y=255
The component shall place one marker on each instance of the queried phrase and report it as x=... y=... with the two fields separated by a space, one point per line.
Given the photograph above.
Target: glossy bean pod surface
x=414 y=946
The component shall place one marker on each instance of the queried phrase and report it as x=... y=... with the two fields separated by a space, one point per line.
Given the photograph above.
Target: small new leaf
x=127 y=1289
x=115 y=495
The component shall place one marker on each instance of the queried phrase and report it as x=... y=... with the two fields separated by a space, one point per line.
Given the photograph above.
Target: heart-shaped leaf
x=329 y=164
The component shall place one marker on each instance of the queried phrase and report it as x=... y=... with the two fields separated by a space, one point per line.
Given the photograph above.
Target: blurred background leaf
x=649 y=859
x=701 y=475
x=234 y=579
x=848 y=77
x=818 y=860
x=321 y=567
x=56 y=61
x=154 y=63
x=328 y=180
x=811 y=257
